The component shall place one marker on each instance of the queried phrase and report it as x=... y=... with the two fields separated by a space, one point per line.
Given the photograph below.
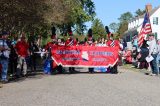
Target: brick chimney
x=149 y=7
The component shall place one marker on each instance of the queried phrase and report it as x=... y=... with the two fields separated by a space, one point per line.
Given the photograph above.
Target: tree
x=123 y=25
x=125 y=17
x=122 y=28
x=33 y=15
x=114 y=26
x=83 y=13
x=23 y=15
x=98 y=29
x=80 y=28
x=71 y=13
x=139 y=12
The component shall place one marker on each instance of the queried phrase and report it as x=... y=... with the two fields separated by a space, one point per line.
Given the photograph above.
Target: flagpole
x=149 y=18
x=149 y=66
x=145 y=30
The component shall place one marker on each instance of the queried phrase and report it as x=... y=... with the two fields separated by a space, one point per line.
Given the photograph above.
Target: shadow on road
x=30 y=75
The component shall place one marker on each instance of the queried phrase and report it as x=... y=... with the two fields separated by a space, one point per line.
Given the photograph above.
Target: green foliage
x=26 y=15
x=98 y=29
x=122 y=28
x=83 y=13
x=39 y=15
x=123 y=25
x=114 y=26
x=125 y=17
x=139 y=12
x=80 y=28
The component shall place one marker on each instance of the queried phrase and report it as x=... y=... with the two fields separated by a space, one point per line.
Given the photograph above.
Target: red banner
x=85 y=56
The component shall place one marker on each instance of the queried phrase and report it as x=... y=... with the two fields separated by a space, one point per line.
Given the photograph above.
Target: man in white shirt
x=153 y=53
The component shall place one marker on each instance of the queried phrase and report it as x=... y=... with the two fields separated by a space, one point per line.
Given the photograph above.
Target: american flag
x=146 y=29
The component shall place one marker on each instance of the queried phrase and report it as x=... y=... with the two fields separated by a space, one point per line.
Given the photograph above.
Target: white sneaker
x=152 y=74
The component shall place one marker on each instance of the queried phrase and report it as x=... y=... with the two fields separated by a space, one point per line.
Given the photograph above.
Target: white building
x=135 y=25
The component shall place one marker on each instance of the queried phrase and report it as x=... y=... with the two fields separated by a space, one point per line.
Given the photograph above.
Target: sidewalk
x=130 y=68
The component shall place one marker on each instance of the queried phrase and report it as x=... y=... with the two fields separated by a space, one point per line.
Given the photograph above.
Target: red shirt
x=22 y=48
x=108 y=43
x=128 y=56
x=49 y=44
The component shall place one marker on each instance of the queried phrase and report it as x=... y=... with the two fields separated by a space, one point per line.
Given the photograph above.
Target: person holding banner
x=71 y=42
x=59 y=68
x=116 y=44
x=49 y=65
x=101 y=43
x=90 y=43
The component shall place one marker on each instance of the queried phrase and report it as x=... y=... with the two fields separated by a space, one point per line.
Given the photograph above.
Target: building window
x=155 y=20
x=156 y=37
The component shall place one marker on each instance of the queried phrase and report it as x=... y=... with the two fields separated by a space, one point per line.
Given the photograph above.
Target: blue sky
x=109 y=11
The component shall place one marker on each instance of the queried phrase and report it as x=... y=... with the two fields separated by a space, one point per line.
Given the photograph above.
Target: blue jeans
x=158 y=62
x=4 y=64
x=154 y=64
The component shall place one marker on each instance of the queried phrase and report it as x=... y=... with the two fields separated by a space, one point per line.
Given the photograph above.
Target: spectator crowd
x=146 y=56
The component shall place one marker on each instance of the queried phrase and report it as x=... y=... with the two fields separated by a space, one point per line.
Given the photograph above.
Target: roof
x=150 y=13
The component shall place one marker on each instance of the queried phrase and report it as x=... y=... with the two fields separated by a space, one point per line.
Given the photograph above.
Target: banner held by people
x=85 y=56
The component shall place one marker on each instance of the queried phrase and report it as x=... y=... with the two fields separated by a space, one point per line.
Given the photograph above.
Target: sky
x=109 y=11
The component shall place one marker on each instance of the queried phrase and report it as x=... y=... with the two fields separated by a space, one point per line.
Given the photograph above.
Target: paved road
x=128 y=88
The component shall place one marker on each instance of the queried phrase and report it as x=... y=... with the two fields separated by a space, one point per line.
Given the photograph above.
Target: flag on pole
x=146 y=29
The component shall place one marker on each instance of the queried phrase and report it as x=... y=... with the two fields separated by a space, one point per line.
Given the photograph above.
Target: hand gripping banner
x=84 y=56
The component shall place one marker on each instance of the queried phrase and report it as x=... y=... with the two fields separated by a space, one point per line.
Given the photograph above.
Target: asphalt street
x=128 y=88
